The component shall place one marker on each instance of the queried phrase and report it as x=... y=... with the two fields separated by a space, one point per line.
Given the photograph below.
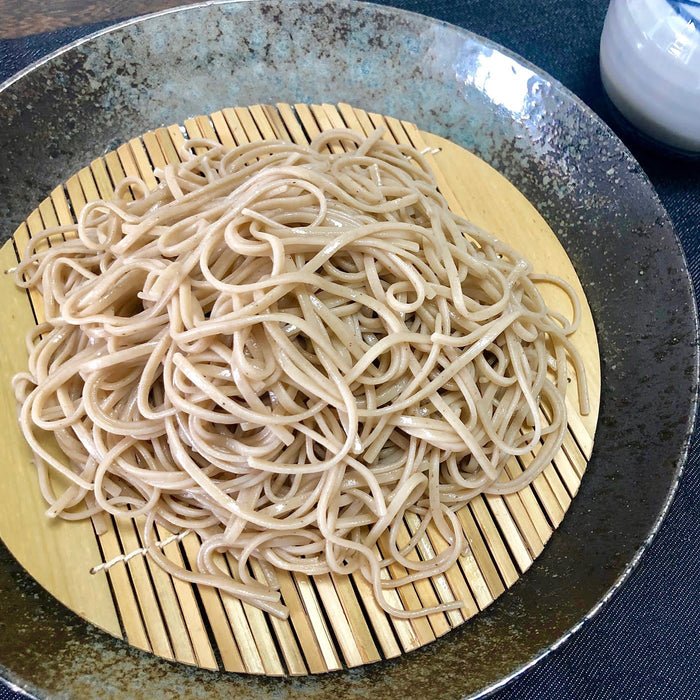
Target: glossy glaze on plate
x=88 y=99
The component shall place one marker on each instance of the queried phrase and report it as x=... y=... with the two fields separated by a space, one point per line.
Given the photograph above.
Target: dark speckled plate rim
x=11 y=679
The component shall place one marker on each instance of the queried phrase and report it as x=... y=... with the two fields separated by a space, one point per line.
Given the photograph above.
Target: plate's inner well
x=334 y=621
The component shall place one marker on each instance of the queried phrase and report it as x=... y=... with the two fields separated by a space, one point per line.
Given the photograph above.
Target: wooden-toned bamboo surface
x=334 y=621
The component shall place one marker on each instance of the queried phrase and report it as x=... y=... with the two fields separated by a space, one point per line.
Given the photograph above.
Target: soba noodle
x=288 y=352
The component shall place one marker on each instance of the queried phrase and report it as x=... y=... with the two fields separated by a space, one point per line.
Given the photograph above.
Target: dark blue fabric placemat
x=644 y=643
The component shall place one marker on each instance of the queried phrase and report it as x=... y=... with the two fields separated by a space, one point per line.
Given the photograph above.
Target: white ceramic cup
x=650 y=67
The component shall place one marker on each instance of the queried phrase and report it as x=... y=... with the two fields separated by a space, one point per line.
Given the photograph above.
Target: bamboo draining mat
x=334 y=621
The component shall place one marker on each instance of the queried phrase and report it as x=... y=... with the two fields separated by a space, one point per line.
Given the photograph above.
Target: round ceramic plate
x=162 y=69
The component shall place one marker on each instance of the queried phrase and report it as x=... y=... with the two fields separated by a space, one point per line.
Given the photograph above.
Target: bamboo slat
x=334 y=621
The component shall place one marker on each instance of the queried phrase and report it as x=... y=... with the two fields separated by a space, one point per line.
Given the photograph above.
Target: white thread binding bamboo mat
x=333 y=620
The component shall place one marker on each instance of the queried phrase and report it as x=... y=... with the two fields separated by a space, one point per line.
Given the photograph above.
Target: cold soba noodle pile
x=286 y=352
